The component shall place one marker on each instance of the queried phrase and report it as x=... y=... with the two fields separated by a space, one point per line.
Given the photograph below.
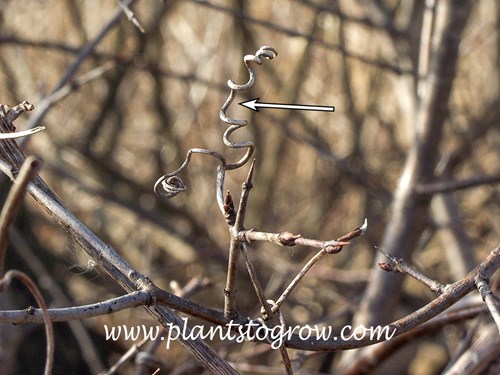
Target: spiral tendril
x=169 y=185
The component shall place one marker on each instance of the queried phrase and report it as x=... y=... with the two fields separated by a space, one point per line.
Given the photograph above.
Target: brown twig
x=294 y=33
x=400 y=265
x=373 y=357
x=49 y=331
x=128 y=355
x=286 y=239
x=328 y=249
x=270 y=310
x=9 y=210
x=47 y=102
x=235 y=246
x=447 y=186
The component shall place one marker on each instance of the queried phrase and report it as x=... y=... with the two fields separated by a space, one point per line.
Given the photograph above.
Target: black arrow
x=254 y=105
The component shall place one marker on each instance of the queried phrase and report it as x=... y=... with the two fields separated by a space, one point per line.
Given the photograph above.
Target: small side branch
x=448 y=186
x=400 y=265
x=482 y=283
x=130 y=14
x=33 y=315
x=329 y=249
x=286 y=239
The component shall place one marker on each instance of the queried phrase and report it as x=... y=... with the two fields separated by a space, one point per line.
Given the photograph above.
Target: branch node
x=288 y=238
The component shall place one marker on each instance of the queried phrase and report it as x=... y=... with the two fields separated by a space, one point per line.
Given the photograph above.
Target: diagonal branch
x=9 y=210
x=488 y=297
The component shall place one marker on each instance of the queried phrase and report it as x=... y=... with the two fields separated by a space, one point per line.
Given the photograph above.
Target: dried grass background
x=317 y=174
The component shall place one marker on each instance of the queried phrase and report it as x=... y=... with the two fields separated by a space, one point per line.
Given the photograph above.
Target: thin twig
x=266 y=304
x=235 y=245
x=447 y=186
x=368 y=360
x=47 y=102
x=9 y=210
x=232 y=272
x=286 y=239
x=294 y=33
x=242 y=207
x=130 y=15
x=22 y=133
x=63 y=314
x=400 y=265
x=129 y=354
x=328 y=249
x=488 y=297
x=49 y=330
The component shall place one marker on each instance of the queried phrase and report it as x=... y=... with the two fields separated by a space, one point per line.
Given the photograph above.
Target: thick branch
x=121 y=271
x=410 y=211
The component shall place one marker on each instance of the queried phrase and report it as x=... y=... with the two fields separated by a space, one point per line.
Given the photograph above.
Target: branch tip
x=364 y=227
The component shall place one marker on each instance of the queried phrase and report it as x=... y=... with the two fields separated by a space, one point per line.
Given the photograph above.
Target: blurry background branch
x=108 y=140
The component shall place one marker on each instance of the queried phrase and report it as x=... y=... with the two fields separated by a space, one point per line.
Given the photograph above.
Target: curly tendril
x=169 y=185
